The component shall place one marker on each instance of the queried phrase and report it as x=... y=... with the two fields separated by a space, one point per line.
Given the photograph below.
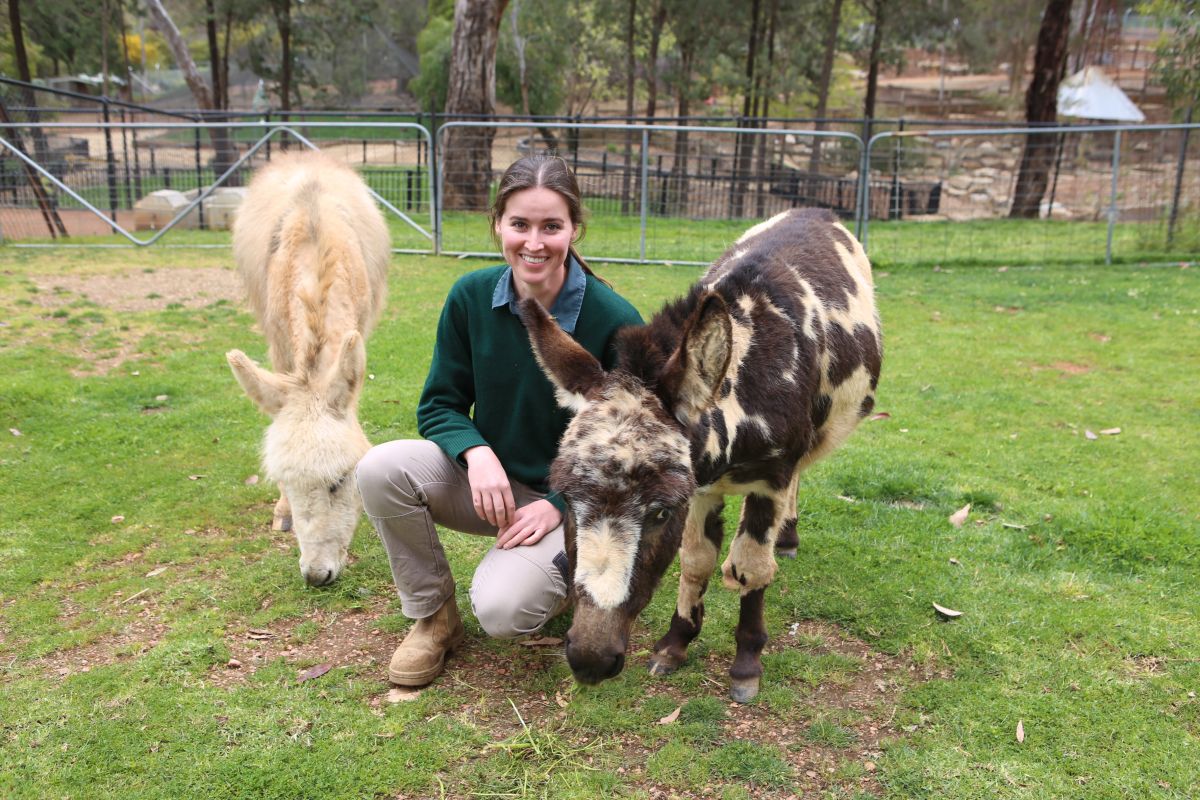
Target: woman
x=491 y=426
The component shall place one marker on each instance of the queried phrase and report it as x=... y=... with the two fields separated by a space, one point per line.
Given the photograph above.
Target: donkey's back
x=313 y=251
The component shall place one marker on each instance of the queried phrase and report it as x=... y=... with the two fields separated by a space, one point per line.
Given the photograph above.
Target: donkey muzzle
x=593 y=662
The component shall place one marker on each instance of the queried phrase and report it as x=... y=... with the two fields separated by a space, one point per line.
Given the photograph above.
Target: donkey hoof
x=743 y=690
x=785 y=552
x=281 y=523
x=663 y=664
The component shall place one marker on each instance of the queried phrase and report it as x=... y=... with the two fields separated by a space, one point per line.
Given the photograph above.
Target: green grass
x=1076 y=571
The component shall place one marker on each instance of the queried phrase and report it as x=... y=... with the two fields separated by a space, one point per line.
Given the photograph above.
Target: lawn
x=156 y=639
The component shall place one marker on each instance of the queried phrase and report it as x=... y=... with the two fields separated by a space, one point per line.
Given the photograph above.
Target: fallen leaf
x=1014 y=525
x=947 y=613
x=195 y=477
x=1002 y=269
x=956 y=562
x=1020 y=731
x=869 y=766
x=1101 y=337
x=251 y=481
x=880 y=415
x=233 y=663
x=118 y=518
x=156 y=571
x=544 y=641
x=1089 y=435
x=959 y=517
x=396 y=695
x=314 y=672
x=669 y=718
x=162 y=398
x=847 y=499
x=14 y=431
x=256 y=633
x=560 y=701
x=1110 y=431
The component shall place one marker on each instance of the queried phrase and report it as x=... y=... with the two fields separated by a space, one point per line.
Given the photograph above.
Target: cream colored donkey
x=313 y=251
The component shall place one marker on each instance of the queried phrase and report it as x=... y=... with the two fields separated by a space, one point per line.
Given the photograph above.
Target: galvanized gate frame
x=274 y=131
x=645 y=131
x=1115 y=130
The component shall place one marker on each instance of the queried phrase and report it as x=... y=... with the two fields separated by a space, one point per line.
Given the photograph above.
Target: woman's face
x=535 y=234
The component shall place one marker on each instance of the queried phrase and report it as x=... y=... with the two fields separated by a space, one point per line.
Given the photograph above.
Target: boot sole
x=425 y=676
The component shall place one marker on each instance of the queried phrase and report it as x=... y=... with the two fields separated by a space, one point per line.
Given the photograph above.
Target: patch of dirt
x=1063 y=367
x=142 y=291
x=865 y=707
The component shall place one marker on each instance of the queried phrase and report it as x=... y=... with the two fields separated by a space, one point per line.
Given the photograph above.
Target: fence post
x=1112 y=206
x=1173 y=215
x=645 y=186
x=111 y=164
x=199 y=178
x=863 y=200
x=125 y=161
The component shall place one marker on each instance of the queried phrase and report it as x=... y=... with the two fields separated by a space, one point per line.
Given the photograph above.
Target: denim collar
x=566 y=305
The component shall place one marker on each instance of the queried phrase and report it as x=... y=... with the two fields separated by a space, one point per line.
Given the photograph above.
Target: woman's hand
x=529 y=524
x=491 y=493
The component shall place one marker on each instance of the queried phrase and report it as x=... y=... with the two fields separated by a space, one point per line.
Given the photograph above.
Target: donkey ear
x=572 y=370
x=694 y=372
x=345 y=376
x=267 y=390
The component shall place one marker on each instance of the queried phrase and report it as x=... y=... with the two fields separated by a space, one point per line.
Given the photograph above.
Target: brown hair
x=550 y=172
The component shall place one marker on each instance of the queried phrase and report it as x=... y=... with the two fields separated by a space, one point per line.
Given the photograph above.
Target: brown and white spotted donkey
x=764 y=367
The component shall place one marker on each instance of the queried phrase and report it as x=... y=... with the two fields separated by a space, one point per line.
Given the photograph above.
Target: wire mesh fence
x=921 y=194
x=1087 y=193
x=144 y=179
x=677 y=193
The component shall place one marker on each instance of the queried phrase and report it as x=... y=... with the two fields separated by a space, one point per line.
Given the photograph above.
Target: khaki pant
x=407 y=486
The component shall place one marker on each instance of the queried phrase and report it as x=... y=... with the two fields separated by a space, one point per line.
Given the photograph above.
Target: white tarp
x=1090 y=94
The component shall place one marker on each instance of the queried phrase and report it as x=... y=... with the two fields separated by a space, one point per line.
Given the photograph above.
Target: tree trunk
x=679 y=176
x=1041 y=107
x=742 y=146
x=225 y=58
x=214 y=51
x=630 y=67
x=823 y=83
x=467 y=157
x=763 y=81
x=878 y=20
x=656 y=29
x=282 y=9
x=27 y=97
x=225 y=152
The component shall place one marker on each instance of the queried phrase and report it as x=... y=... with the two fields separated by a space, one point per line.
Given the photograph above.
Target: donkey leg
x=750 y=568
x=281 y=520
x=702 y=535
x=787 y=542
x=751 y=636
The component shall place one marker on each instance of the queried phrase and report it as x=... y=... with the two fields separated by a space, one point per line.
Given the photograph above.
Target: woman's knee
x=383 y=476
x=508 y=609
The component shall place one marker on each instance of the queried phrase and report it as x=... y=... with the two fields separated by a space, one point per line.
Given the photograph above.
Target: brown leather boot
x=422 y=655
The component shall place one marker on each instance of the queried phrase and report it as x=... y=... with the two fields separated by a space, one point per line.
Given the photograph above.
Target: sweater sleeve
x=443 y=414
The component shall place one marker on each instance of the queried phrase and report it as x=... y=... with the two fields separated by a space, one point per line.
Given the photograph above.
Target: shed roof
x=1090 y=94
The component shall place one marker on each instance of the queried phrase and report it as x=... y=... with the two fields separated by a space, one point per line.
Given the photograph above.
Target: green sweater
x=484 y=386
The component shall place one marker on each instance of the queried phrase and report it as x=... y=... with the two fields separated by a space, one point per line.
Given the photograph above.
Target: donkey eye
x=333 y=487
x=658 y=516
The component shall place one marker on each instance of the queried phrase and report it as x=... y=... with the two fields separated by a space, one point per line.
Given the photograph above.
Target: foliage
x=1178 y=51
x=433 y=47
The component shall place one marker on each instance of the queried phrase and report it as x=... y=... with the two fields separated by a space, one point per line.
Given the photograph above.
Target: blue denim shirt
x=566 y=306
